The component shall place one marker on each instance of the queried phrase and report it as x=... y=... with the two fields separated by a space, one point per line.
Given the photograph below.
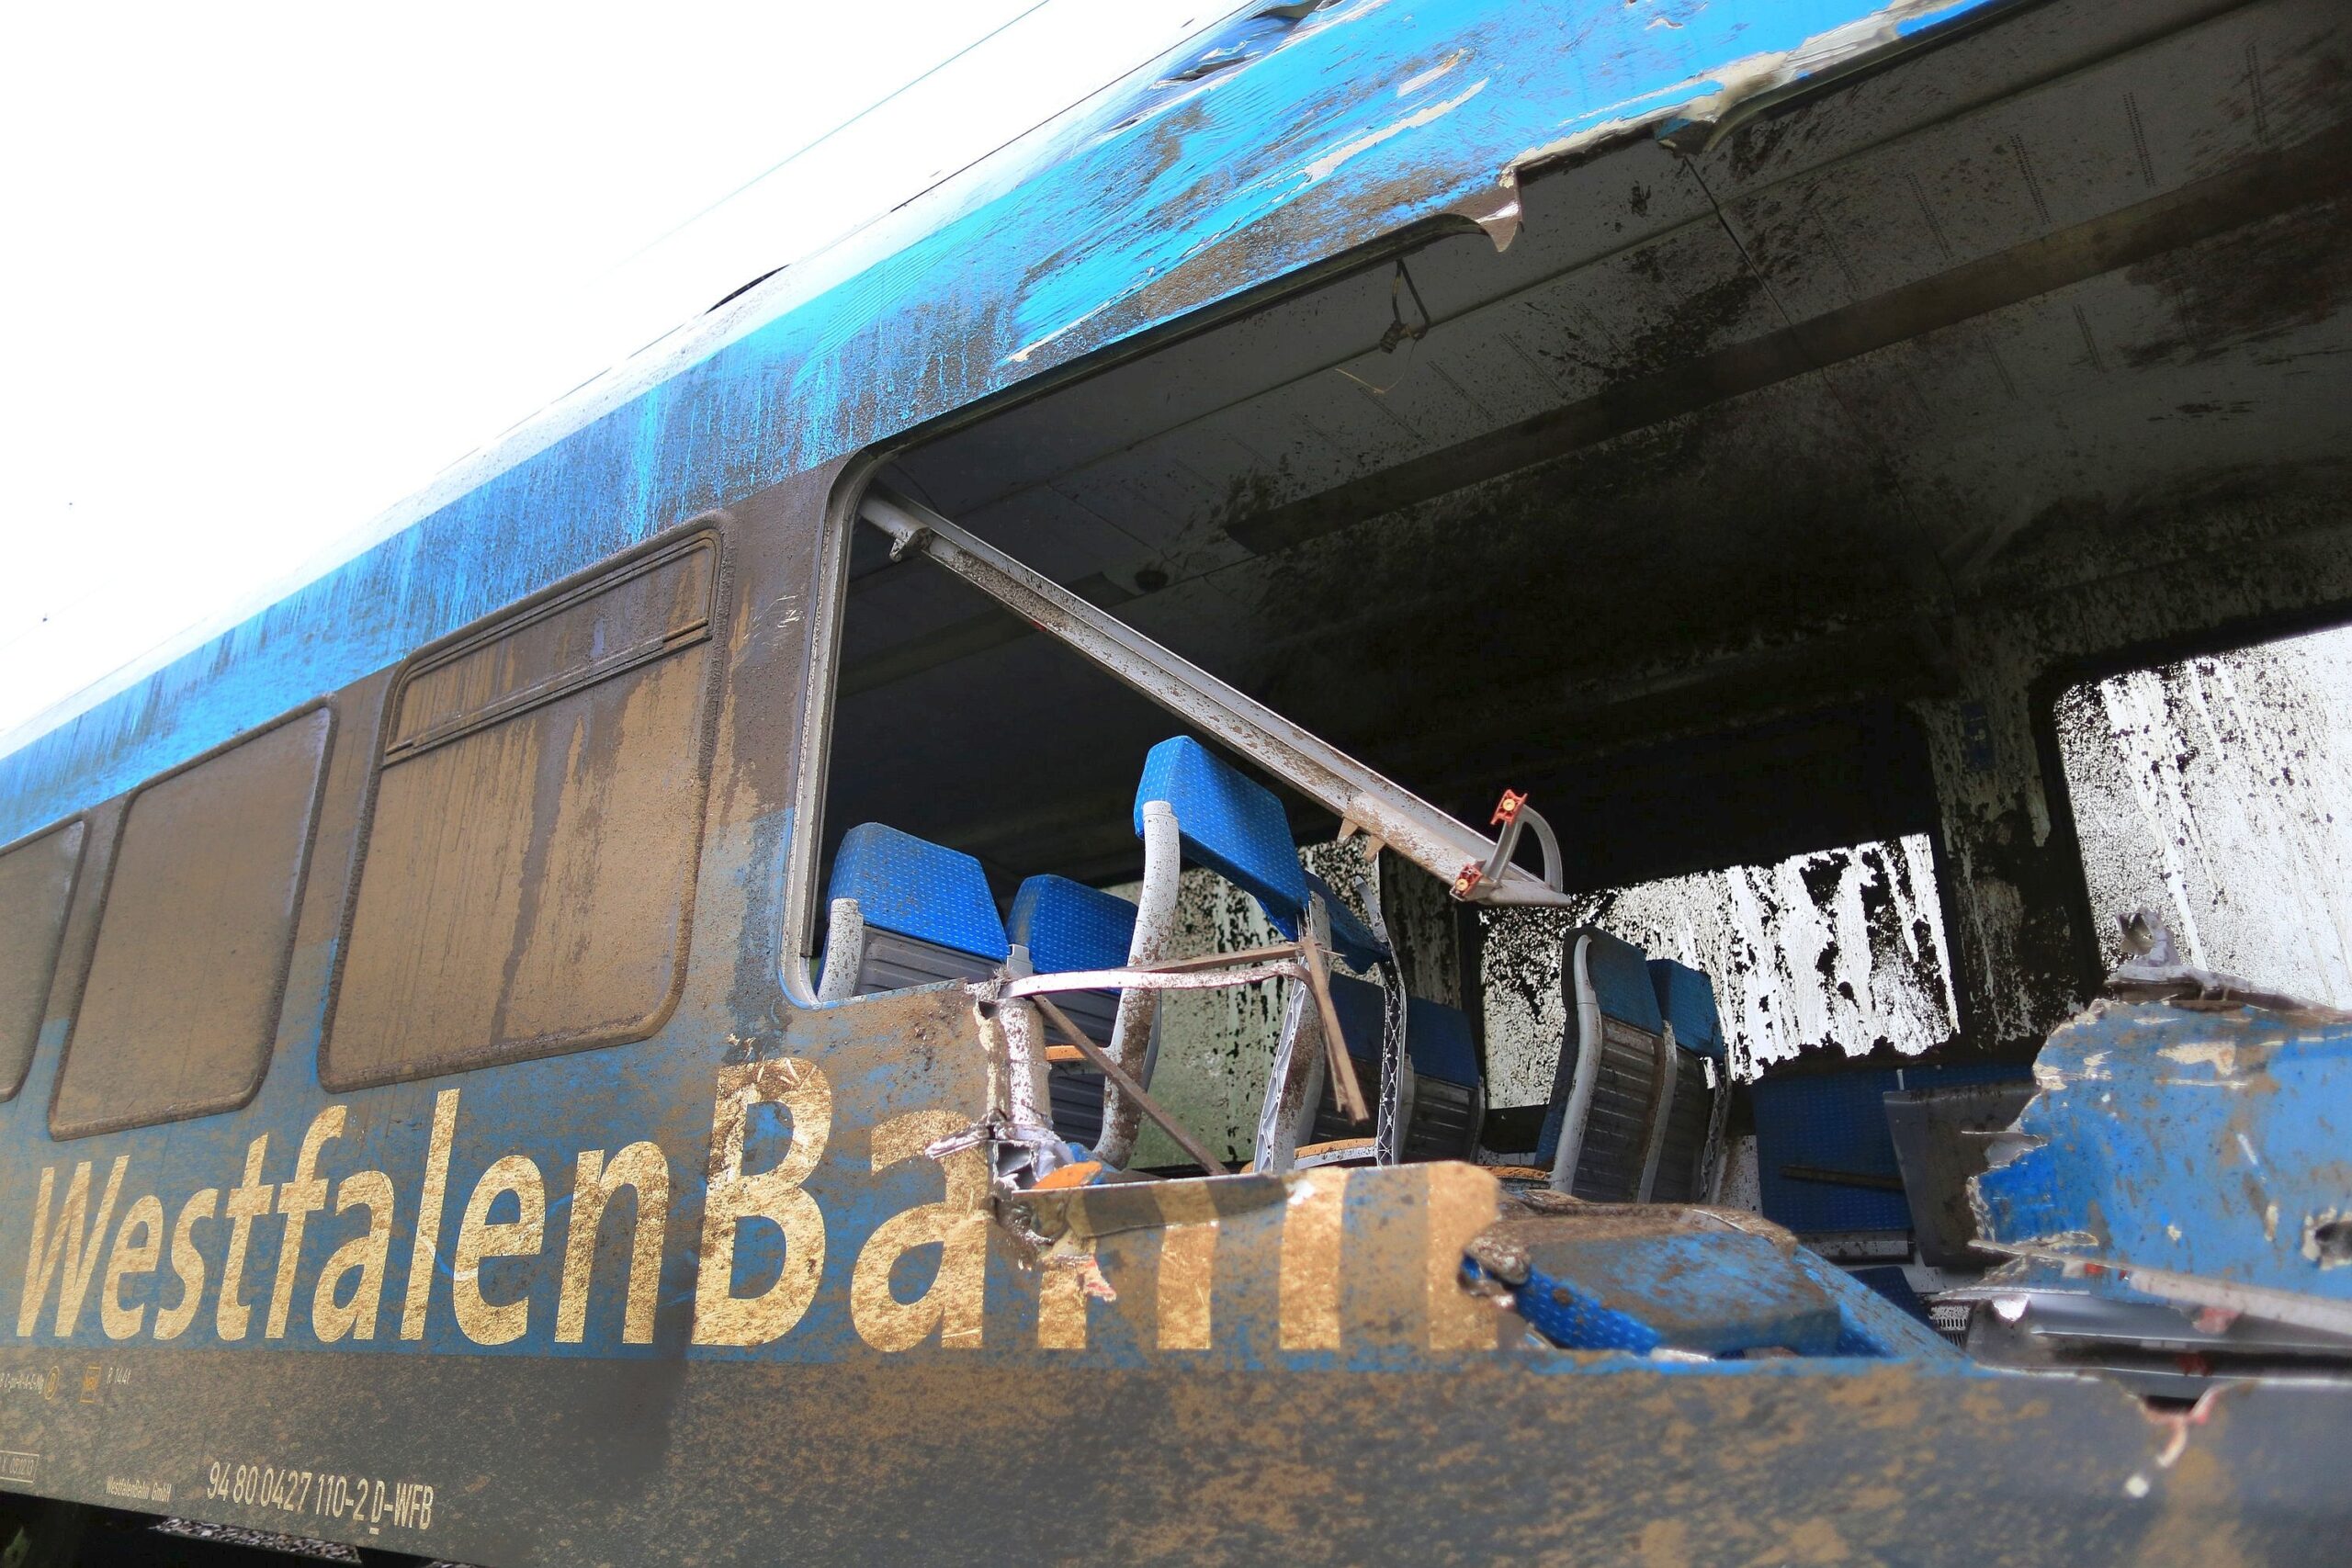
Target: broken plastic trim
x=1360 y=797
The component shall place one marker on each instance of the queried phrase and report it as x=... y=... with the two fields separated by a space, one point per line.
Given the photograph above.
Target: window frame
x=1362 y=798
x=813 y=749
x=81 y=819
x=702 y=531
x=2042 y=695
x=285 y=963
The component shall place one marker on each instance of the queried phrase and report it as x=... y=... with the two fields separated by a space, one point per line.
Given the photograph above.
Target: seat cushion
x=914 y=888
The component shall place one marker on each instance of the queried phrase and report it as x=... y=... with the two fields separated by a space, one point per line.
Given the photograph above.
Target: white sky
x=268 y=268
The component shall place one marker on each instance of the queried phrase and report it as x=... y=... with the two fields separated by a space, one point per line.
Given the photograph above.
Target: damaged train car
x=1468 y=781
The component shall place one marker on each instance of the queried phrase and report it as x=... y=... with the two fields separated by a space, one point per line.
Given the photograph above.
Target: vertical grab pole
x=1155 y=928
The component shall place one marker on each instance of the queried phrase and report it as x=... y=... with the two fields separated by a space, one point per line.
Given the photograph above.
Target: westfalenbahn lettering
x=89 y=1240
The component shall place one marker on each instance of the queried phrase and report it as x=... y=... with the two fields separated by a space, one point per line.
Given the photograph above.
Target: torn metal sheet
x=2186 y=1154
x=1671 y=1281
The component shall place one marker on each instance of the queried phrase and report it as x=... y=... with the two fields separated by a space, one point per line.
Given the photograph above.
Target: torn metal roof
x=1290 y=135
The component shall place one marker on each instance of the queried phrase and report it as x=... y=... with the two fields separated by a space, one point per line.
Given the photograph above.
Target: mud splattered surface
x=1217 y=1048
x=1842 y=948
x=2216 y=791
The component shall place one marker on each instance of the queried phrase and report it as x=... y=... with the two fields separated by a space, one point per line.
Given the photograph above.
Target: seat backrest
x=1445 y=1102
x=1228 y=823
x=1608 y=1089
x=1813 y=1128
x=1686 y=998
x=924 y=912
x=1067 y=925
x=1683 y=1146
x=1238 y=828
x=1449 y=1092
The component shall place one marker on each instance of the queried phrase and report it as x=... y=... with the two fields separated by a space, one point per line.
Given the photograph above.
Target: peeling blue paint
x=2207 y=1143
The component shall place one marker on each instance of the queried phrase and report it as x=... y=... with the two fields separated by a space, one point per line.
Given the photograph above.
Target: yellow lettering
x=721 y=1317
x=1462 y=1203
x=644 y=1170
x=1310 y=1287
x=125 y=1261
x=958 y=1227
x=363 y=1254
x=1187 y=1265
x=187 y=1263
x=247 y=1202
x=297 y=1199
x=68 y=1242
x=481 y=1321
x=428 y=1214
x=1061 y=1309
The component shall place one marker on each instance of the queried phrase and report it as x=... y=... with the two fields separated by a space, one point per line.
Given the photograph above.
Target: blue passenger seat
x=902 y=912
x=1681 y=1164
x=1610 y=1083
x=1236 y=829
x=1825 y=1156
x=1444 y=1101
x=1067 y=926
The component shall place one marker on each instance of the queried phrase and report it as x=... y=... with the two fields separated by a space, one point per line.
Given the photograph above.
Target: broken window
x=986 y=805
x=2213 y=791
x=970 y=756
x=1840 y=949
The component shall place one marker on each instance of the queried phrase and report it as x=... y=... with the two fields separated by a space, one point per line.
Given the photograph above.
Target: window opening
x=997 y=802
x=1838 y=948
x=2212 y=790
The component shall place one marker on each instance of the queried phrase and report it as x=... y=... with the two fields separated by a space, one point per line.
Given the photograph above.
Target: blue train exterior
x=358 y=1295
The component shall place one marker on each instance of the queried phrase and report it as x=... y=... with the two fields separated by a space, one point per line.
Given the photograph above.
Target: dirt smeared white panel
x=1842 y=948
x=2218 y=791
x=1217 y=1048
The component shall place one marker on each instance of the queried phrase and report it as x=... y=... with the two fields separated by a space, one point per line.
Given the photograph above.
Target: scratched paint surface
x=2197 y=1143
x=2214 y=790
x=1842 y=948
x=1163 y=196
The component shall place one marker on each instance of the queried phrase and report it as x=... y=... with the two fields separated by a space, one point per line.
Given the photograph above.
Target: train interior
x=1888 y=543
